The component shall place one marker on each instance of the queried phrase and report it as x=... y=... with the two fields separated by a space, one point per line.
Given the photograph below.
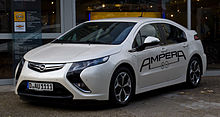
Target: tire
x=122 y=87
x=194 y=72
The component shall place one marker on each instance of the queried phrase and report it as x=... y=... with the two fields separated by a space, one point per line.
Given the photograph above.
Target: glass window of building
x=99 y=9
x=51 y=19
x=51 y=23
x=5 y=16
x=206 y=21
x=6 y=61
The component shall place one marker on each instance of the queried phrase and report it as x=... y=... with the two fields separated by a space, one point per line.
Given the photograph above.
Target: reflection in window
x=206 y=21
x=144 y=32
x=50 y=16
x=98 y=33
x=170 y=9
x=173 y=34
x=6 y=59
x=5 y=16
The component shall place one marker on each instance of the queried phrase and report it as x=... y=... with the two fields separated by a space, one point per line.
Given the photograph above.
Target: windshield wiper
x=94 y=42
x=83 y=42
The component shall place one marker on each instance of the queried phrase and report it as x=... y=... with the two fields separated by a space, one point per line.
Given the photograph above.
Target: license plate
x=40 y=86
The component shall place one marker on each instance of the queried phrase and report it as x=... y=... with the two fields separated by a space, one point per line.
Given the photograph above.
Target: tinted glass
x=5 y=16
x=175 y=10
x=98 y=33
x=145 y=31
x=173 y=34
x=50 y=18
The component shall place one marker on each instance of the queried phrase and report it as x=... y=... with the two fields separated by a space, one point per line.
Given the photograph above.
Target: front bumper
x=97 y=78
x=59 y=92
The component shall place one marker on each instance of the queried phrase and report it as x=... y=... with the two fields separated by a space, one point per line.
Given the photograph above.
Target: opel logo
x=42 y=67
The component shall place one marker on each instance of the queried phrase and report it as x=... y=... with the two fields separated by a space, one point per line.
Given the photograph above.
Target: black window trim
x=163 y=33
x=162 y=40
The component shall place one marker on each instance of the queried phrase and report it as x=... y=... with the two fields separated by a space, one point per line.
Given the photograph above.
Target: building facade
x=26 y=24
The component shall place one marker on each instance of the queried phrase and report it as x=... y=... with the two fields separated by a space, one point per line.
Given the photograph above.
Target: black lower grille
x=59 y=91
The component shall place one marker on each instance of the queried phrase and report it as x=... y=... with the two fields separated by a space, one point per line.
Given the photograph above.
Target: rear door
x=176 y=51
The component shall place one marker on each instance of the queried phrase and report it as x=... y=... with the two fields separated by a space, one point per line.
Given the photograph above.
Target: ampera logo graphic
x=169 y=55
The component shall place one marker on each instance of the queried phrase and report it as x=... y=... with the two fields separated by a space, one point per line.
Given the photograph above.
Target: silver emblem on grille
x=42 y=67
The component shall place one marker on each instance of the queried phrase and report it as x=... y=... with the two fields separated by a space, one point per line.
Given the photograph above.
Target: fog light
x=81 y=86
x=77 y=82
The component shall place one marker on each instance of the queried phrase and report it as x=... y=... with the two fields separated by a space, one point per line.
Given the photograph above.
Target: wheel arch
x=129 y=66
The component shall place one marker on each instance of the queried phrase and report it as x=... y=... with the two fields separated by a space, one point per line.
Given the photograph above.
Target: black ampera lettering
x=148 y=61
x=168 y=55
x=154 y=59
x=145 y=63
x=174 y=53
x=161 y=56
x=181 y=54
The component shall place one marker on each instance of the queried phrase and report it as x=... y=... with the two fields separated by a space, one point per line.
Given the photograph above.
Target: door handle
x=163 y=50
x=185 y=45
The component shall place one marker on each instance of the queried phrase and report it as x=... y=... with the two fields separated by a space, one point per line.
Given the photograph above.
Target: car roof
x=138 y=20
x=130 y=19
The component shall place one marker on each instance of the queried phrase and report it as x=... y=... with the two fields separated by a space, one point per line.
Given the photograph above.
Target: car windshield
x=98 y=33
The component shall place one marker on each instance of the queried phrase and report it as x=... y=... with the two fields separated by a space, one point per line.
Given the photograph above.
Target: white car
x=112 y=59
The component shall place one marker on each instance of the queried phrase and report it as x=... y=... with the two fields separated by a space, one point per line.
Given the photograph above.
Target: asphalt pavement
x=173 y=101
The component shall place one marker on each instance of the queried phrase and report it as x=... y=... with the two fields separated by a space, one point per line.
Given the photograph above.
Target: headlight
x=79 y=66
x=73 y=74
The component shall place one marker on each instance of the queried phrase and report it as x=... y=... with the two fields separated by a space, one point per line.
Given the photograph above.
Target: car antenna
x=142 y=11
x=141 y=14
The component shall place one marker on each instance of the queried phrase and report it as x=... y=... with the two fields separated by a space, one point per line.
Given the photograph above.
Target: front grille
x=41 y=67
x=59 y=91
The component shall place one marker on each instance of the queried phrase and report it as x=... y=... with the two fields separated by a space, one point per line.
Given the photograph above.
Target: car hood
x=65 y=53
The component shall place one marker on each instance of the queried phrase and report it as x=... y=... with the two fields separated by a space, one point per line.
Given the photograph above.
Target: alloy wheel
x=195 y=72
x=122 y=87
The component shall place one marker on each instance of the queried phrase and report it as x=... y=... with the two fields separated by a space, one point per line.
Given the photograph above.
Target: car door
x=176 y=50
x=148 y=61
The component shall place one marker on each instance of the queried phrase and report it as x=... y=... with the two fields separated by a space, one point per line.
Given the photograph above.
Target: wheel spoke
x=119 y=95
x=194 y=67
x=128 y=84
x=117 y=84
x=126 y=94
x=191 y=71
x=123 y=78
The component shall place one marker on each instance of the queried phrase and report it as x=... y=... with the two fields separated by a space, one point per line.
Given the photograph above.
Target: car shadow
x=84 y=105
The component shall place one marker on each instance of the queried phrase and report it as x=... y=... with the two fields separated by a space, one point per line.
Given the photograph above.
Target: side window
x=173 y=34
x=144 y=32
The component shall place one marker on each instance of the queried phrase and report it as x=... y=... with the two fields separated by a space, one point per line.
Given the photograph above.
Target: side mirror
x=151 y=41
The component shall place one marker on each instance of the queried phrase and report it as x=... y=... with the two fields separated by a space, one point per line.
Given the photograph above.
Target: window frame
x=163 y=34
x=162 y=41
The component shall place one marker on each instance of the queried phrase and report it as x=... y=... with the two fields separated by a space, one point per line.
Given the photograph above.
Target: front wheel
x=121 y=87
x=194 y=73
